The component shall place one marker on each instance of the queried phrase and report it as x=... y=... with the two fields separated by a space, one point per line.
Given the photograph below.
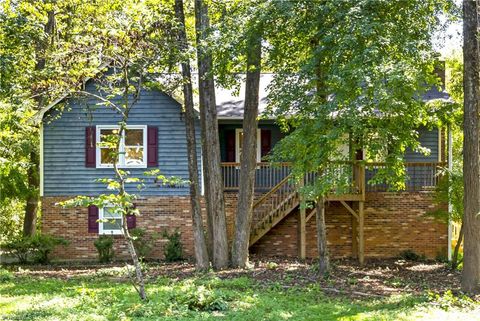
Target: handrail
x=273 y=206
x=270 y=192
x=268 y=175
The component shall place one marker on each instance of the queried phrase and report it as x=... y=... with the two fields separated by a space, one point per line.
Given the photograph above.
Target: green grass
x=206 y=298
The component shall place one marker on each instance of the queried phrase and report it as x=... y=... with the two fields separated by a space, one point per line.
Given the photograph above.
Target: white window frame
x=237 y=144
x=101 y=230
x=121 y=156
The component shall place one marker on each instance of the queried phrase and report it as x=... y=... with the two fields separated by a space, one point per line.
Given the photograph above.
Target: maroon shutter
x=265 y=141
x=90 y=146
x=230 y=145
x=92 y=219
x=131 y=220
x=152 y=146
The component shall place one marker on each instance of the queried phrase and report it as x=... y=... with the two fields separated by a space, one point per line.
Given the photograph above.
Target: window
x=132 y=152
x=110 y=223
x=239 y=144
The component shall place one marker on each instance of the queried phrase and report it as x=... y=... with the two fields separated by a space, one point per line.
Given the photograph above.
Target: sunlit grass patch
x=208 y=297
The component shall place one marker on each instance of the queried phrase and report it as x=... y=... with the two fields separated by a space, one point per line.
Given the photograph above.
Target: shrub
x=143 y=244
x=173 y=249
x=104 y=246
x=20 y=247
x=448 y=300
x=42 y=245
x=5 y=275
x=410 y=255
x=200 y=298
x=39 y=245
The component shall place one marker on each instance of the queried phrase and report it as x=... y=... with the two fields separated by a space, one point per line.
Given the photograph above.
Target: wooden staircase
x=272 y=207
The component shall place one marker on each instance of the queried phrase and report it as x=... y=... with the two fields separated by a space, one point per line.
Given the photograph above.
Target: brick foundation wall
x=157 y=214
x=393 y=223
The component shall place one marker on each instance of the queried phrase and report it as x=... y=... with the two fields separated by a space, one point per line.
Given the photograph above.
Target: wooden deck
x=280 y=195
x=421 y=176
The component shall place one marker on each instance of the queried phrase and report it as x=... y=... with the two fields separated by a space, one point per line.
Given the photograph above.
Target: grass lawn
x=104 y=294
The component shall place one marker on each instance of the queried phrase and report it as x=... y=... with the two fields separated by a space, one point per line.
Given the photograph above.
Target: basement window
x=110 y=222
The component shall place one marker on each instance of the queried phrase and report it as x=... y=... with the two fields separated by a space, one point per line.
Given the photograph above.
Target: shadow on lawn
x=169 y=300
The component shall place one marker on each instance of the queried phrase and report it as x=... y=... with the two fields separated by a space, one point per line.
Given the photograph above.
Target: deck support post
x=354 y=237
x=361 y=238
x=302 y=227
x=302 y=231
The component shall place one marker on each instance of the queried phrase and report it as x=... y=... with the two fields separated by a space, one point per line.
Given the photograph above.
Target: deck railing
x=420 y=176
x=355 y=175
x=266 y=175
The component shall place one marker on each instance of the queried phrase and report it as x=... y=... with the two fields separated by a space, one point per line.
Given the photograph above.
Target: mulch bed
x=378 y=278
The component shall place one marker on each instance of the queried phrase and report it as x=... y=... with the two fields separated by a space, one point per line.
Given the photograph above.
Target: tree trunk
x=31 y=207
x=457 y=248
x=471 y=150
x=139 y=284
x=210 y=141
x=323 y=261
x=33 y=176
x=243 y=218
x=201 y=254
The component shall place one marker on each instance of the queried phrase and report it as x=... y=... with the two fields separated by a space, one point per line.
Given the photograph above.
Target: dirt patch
x=378 y=278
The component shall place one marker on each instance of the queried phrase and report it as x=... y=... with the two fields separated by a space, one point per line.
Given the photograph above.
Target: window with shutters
x=239 y=145
x=133 y=151
x=110 y=222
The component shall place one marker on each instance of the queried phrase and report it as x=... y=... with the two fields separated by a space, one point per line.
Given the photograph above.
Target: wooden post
x=354 y=237
x=302 y=231
x=302 y=228
x=361 y=239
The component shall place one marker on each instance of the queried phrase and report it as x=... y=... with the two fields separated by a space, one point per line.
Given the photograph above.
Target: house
x=369 y=221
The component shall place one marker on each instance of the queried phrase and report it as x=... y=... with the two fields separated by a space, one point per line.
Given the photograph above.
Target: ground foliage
x=273 y=289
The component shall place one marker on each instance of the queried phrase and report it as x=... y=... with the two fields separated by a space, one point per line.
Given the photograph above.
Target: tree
x=201 y=254
x=30 y=33
x=348 y=73
x=243 y=218
x=139 y=40
x=217 y=226
x=471 y=149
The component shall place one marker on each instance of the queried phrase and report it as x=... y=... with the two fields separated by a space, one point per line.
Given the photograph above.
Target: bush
x=143 y=244
x=43 y=245
x=410 y=255
x=5 y=275
x=104 y=246
x=20 y=247
x=39 y=245
x=173 y=249
x=200 y=298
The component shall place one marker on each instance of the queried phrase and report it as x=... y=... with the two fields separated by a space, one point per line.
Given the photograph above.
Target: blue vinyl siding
x=64 y=146
x=428 y=139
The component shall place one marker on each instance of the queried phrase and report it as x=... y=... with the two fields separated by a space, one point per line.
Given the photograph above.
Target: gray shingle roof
x=230 y=103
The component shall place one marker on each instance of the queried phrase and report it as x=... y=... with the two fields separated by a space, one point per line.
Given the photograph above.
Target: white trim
x=121 y=162
x=41 y=159
x=102 y=231
x=237 y=144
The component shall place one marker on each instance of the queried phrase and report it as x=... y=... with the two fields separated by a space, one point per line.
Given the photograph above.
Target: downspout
x=450 y=206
